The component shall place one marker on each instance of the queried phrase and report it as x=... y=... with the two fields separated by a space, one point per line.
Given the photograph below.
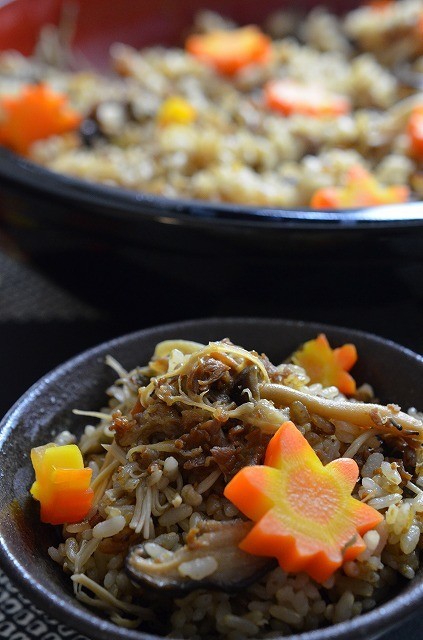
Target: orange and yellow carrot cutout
x=36 y=113
x=326 y=365
x=291 y=97
x=230 y=51
x=62 y=484
x=361 y=190
x=304 y=513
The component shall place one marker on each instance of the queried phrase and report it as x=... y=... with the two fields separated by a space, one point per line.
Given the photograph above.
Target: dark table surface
x=43 y=322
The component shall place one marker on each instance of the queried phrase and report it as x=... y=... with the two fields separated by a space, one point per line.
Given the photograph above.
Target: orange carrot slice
x=361 y=190
x=36 y=113
x=326 y=365
x=289 y=97
x=232 y=50
x=304 y=513
x=415 y=131
x=380 y=5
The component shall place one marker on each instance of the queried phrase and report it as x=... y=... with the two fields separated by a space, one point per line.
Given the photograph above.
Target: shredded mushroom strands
x=101 y=481
x=93 y=414
x=362 y=414
x=106 y=599
x=116 y=451
x=164 y=348
x=355 y=446
x=166 y=446
x=233 y=356
x=84 y=554
x=141 y=518
x=116 y=366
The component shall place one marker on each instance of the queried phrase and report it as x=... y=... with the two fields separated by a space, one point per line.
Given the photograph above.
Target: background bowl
x=395 y=372
x=112 y=236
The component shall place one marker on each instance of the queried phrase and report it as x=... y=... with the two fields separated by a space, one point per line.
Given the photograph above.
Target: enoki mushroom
x=385 y=419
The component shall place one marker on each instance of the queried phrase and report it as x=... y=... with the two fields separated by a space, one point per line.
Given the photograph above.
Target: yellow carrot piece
x=176 y=110
x=62 y=484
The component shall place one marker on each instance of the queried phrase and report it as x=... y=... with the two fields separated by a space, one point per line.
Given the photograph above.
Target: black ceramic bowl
x=101 y=231
x=395 y=372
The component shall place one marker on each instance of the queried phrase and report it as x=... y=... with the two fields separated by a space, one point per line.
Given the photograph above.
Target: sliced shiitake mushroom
x=210 y=559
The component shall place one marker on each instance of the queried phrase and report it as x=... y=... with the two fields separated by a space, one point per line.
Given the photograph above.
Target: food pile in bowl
x=223 y=495
x=307 y=110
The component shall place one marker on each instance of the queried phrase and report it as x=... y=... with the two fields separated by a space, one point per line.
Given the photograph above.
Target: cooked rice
x=237 y=150
x=145 y=492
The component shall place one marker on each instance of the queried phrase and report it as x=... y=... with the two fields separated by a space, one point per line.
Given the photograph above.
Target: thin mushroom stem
x=385 y=419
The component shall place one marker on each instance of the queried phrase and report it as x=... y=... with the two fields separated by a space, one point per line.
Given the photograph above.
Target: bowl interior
x=46 y=409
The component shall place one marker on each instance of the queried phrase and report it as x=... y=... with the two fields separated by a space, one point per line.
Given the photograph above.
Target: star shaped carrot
x=37 y=112
x=326 y=365
x=304 y=513
x=232 y=50
x=361 y=189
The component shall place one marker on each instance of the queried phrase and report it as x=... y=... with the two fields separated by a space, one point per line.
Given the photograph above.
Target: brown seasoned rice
x=145 y=492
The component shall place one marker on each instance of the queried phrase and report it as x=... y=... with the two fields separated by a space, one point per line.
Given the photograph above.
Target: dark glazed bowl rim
x=385 y=617
x=137 y=206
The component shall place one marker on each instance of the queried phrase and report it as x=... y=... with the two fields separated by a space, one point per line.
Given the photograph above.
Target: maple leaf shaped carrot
x=288 y=96
x=37 y=112
x=229 y=51
x=304 y=513
x=361 y=189
x=326 y=365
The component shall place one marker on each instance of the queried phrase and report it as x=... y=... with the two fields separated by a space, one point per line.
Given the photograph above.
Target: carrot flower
x=37 y=112
x=304 y=513
x=326 y=365
x=230 y=51
x=288 y=96
x=361 y=189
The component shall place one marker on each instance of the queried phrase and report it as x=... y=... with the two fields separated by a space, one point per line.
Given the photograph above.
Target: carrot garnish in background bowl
x=232 y=50
x=304 y=512
x=415 y=130
x=380 y=5
x=361 y=189
x=291 y=97
x=37 y=112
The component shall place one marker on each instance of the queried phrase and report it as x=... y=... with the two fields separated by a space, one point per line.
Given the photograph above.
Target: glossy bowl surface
x=54 y=217
x=395 y=372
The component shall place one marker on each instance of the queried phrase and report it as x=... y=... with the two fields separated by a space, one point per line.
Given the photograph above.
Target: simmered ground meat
x=201 y=440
